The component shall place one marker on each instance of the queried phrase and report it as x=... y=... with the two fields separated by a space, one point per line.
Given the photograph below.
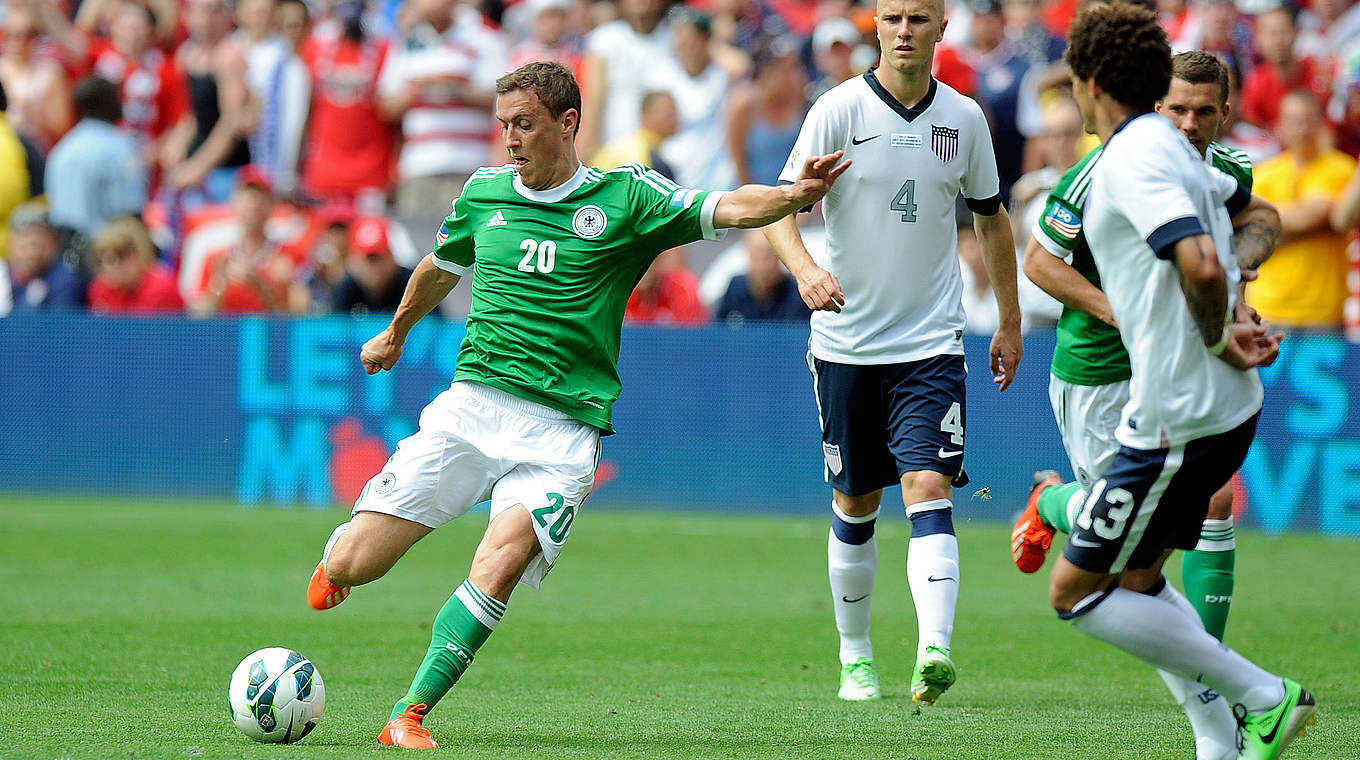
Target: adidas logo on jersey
x=497 y=220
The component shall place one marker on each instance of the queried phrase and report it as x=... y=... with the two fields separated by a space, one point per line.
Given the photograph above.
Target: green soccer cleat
x=859 y=681
x=934 y=675
x=1265 y=736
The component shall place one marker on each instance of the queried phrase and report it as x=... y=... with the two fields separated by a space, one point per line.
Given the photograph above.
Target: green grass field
x=657 y=636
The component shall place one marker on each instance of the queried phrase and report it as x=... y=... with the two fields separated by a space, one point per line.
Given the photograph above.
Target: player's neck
x=561 y=173
x=907 y=87
x=1110 y=114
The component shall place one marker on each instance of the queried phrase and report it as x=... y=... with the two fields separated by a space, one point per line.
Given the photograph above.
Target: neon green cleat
x=859 y=681
x=934 y=675
x=1265 y=736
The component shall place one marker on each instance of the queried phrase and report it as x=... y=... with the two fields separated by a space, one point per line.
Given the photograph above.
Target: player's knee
x=924 y=485
x=1062 y=599
x=858 y=506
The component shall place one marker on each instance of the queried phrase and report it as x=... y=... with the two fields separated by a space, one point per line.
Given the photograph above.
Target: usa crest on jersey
x=945 y=142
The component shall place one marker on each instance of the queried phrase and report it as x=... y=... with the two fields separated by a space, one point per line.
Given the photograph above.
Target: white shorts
x=476 y=443
x=1087 y=417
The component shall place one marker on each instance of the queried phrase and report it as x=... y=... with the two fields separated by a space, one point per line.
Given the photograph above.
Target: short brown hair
x=553 y=83
x=1124 y=48
x=1199 y=67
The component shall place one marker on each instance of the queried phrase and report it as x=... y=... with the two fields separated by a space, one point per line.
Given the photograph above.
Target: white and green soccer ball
x=276 y=695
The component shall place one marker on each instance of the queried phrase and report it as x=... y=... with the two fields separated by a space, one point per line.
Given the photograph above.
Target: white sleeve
x=1228 y=190
x=824 y=131
x=981 y=181
x=1148 y=192
x=391 y=79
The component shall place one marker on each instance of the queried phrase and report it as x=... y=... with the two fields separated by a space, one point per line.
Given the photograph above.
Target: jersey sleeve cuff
x=1165 y=237
x=450 y=267
x=1239 y=200
x=1047 y=242
x=984 y=207
x=706 y=213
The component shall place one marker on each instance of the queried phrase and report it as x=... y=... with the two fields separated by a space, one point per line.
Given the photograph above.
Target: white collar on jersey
x=552 y=194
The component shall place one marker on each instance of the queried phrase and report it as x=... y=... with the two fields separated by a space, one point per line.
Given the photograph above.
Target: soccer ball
x=276 y=695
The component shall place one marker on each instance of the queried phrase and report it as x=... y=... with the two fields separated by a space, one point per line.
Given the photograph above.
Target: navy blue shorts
x=1150 y=501
x=882 y=420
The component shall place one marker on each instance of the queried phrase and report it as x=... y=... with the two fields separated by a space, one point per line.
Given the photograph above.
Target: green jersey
x=1088 y=351
x=553 y=272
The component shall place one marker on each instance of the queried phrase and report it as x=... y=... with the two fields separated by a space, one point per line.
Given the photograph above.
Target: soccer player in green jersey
x=1090 y=370
x=557 y=248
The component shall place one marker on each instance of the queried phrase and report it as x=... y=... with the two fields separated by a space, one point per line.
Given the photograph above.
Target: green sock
x=459 y=630
x=1207 y=574
x=1053 y=505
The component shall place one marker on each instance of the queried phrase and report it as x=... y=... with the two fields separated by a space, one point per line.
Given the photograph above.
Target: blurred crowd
x=229 y=156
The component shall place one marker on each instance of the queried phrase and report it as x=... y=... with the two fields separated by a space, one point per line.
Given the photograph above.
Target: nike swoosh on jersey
x=848 y=600
x=1083 y=543
x=857 y=141
x=947 y=454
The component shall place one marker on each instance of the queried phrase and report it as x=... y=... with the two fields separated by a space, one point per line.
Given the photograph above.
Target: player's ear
x=571 y=121
x=943 y=23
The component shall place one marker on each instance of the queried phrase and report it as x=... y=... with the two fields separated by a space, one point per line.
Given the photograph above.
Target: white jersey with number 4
x=1149 y=190
x=891 y=237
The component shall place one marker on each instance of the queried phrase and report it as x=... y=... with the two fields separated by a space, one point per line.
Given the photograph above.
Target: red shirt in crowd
x=1264 y=87
x=673 y=300
x=157 y=292
x=350 y=146
x=155 y=91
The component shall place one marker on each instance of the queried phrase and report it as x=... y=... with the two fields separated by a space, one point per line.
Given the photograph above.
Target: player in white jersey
x=1160 y=235
x=886 y=351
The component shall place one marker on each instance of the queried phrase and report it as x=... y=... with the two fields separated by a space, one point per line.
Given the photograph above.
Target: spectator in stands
x=39 y=92
x=98 y=17
x=373 y=282
x=214 y=144
x=1259 y=144
x=1303 y=282
x=39 y=276
x=1000 y=74
x=129 y=279
x=1280 y=70
x=1059 y=146
x=351 y=147
x=251 y=274
x=1025 y=29
x=550 y=37
x=283 y=94
x=621 y=57
x=313 y=288
x=1217 y=27
x=440 y=83
x=21 y=171
x=767 y=292
x=766 y=114
x=742 y=24
x=659 y=121
x=701 y=85
x=668 y=293
x=97 y=171
x=833 y=43
x=154 y=91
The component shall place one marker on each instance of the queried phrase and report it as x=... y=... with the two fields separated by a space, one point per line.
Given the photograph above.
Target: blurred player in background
x=557 y=247
x=887 y=351
x=1089 y=385
x=1161 y=239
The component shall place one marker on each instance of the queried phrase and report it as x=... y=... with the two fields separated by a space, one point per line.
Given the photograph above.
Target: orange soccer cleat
x=406 y=730
x=1031 y=536
x=321 y=593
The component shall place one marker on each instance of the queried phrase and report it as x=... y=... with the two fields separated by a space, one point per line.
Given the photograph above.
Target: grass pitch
x=657 y=636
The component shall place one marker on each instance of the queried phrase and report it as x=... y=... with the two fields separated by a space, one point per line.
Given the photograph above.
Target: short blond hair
x=123 y=233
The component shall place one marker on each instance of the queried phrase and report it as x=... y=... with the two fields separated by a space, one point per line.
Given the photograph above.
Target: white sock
x=933 y=574
x=851 y=568
x=1159 y=633
x=1211 y=717
x=330 y=542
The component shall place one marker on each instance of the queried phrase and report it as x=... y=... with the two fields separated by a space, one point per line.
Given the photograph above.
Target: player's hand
x=820 y=289
x=1245 y=314
x=380 y=352
x=1007 y=348
x=1251 y=345
x=819 y=173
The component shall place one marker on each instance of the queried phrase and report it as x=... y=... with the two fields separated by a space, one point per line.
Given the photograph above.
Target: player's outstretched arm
x=758 y=205
x=427 y=287
x=998 y=256
x=820 y=289
x=1060 y=280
